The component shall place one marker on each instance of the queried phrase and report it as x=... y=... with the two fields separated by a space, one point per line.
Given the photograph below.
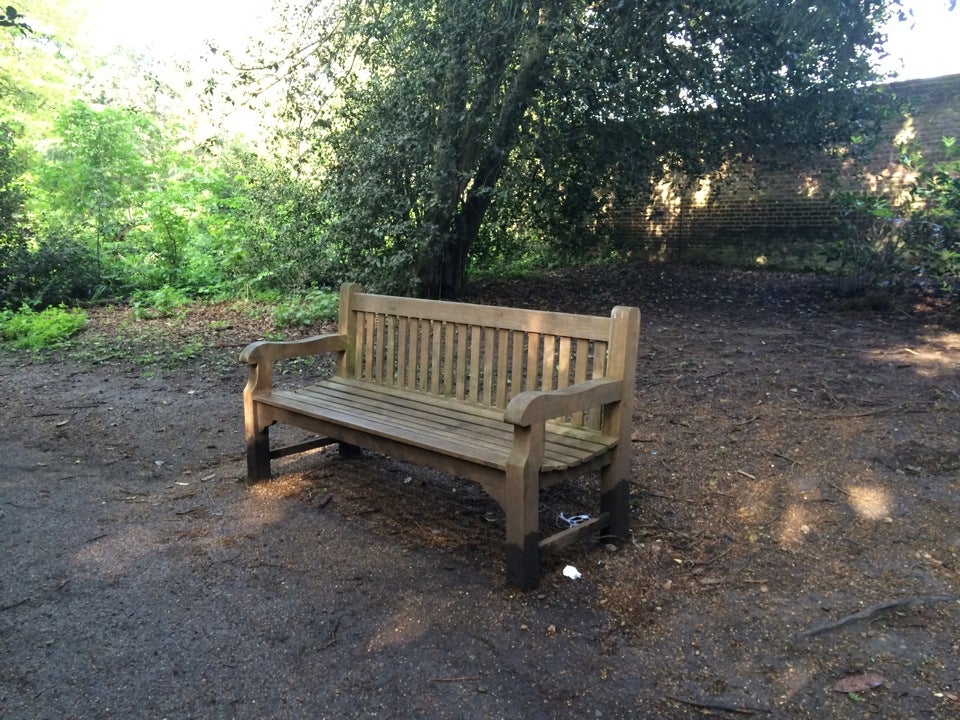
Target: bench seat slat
x=436 y=404
x=463 y=431
x=435 y=441
x=435 y=410
x=461 y=440
x=383 y=411
x=469 y=430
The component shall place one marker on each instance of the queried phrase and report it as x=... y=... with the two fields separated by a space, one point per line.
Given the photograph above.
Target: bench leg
x=258 y=455
x=348 y=451
x=523 y=530
x=615 y=499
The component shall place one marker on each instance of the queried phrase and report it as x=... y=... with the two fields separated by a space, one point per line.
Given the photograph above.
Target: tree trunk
x=442 y=261
x=443 y=255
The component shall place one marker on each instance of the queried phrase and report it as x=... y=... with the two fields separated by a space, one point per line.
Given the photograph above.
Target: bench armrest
x=534 y=406
x=266 y=351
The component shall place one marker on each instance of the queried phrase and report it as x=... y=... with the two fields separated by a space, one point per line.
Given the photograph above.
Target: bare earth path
x=796 y=525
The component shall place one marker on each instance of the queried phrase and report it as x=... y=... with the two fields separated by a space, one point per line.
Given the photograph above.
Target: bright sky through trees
x=921 y=47
x=925 y=46
x=173 y=27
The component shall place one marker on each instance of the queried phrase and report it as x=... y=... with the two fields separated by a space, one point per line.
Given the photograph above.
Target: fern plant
x=31 y=330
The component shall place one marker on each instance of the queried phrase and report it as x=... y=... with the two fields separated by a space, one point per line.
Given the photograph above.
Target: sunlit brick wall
x=763 y=210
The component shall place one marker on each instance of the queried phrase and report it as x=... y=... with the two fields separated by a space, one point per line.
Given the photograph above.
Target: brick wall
x=761 y=212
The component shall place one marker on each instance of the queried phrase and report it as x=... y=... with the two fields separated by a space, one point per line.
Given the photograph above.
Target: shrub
x=315 y=307
x=33 y=330
x=54 y=271
x=870 y=253
x=160 y=303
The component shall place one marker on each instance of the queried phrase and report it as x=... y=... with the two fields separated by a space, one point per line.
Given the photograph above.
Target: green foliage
x=933 y=233
x=165 y=301
x=11 y=191
x=95 y=200
x=39 y=69
x=153 y=218
x=314 y=307
x=93 y=181
x=37 y=271
x=13 y=19
x=269 y=227
x=31 y=330
x=425 y=137
x=869 y=253
x=885 y=246
x=40 y=273
x=420 y=117
x=507 y=251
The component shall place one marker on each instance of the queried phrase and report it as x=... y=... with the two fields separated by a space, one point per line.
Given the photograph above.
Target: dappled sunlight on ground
x=410 y=620
x=281 y=487
x=795 y=527
x=795 y=676
x=265 y=501
x=934 y=355
x=795 y=507
x=115 y=555
x=263 y=505
x=870 y=502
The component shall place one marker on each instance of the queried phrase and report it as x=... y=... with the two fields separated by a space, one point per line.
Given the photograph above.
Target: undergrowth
x=314 y=307
x=163 y=302
x=30 y=330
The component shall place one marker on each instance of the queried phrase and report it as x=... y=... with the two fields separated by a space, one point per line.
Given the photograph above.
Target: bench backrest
x=482 y=354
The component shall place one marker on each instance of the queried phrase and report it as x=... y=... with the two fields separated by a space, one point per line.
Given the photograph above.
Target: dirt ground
x=795 y=549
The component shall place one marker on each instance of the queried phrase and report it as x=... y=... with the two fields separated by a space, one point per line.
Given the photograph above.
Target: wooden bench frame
x=515 y=400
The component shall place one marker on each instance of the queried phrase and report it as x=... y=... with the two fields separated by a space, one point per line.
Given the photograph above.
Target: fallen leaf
x=859 y=683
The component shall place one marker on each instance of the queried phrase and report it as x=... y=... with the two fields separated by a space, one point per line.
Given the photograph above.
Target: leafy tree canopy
x=425 y=120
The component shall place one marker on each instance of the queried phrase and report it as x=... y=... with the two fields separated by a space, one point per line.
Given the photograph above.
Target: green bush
x=870 y=253
x=163 y=302
x=315 y=307
x=45 y=273
x=933 y=233
x=33 y=330
x=886 y=247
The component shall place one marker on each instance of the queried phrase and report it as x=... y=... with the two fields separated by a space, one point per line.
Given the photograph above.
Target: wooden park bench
x=515 y=400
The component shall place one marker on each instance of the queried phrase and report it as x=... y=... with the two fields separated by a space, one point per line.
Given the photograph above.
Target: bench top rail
x=550 y=323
